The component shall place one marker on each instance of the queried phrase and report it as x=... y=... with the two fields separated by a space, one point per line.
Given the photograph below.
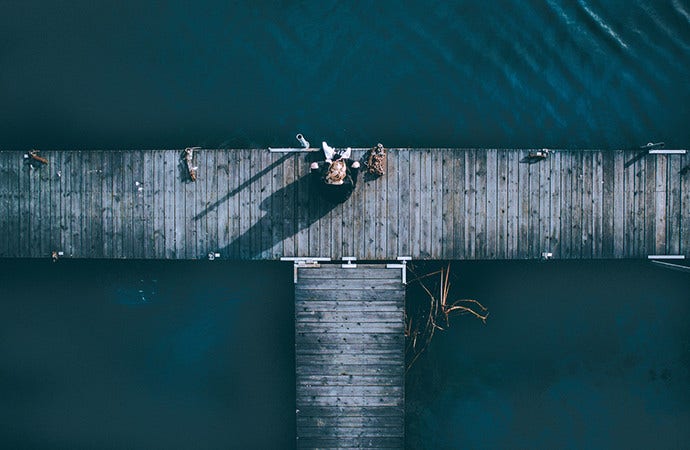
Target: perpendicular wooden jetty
x=431 y=204
x=350 y=356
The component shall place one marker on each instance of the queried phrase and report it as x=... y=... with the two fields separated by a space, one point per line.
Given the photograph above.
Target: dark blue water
x=206 y=361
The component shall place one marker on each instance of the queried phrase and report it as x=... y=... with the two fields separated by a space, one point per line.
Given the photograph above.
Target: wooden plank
x=449 y=201
x=436 y=204
x=555 y=204
x=126 y=205
x=673 y=235
x=289 y=199
x=392 y=204
x=24 y=212
x=544 y=207
x=220 y=199
x=638 y=237
x=69 y=203
x=350 y=411
x=405 y=204
x=200 y=218
x=470 y=204
x=650 y=206
x=157 y=174
x=43 y=223
x=302 y=210
x=619 y=204
x=458 y=159
x=513 y=200
x=524 y=234
x=277 y=188
x=14 y=166
x=352 y=442
x=501 y=204
x=174 y=205
x=107 y=210
x=576 y=243
x=481 y=205
x=96 y=205
x=147 y=203
x=5 y=201
x=684 y=176
x=232 y=205
x=335 y=270
x=661 y=208
x=85 y=193
x=533 y=249
x=587 y=204
x=416 y=194
x=607 y=204
x=310 y=283
x=597 y=204
x=139 y=190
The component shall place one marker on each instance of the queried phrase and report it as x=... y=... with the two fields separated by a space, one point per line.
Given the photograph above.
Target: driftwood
x=188 y=158
x=422 y=322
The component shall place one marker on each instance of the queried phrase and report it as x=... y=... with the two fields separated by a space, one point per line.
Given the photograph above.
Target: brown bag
x=377 y=160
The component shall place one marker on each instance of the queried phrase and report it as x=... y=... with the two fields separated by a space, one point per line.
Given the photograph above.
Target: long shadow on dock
x=287 y=211
x=239 y=188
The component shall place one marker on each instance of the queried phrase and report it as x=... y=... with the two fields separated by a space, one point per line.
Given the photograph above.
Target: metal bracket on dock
x=667 y=152
x=348 y=262
x=402 y=265
x=303 y=261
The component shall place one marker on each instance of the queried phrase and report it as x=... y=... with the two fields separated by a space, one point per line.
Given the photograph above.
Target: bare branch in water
x=438 y=309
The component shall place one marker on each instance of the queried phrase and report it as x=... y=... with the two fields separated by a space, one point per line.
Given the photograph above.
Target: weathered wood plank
x=650 y=206
x=392 y=203
x=597 y=205
x=661 y=207
x=449 y=201
x=684 y=176
x=555 y=189
x=501 y=204
x=5 y=201
x=513 y=199
x=587 y=204
x=619 y=204
x=405 y=204
x=607 y=204
x=470 y=204
x=576 y=243
x=174 y=205
x=638 y=238
x=487 y=192
x=544 y=207
x=458 y=159
x=96 y=205
x=158 y=205
x=482 y=205
x=138 y=199
x=524 y=234
x=674 y=213
x=289 y=199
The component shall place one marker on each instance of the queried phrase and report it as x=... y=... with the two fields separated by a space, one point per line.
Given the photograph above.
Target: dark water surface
x=583 y=355
x=146 y=355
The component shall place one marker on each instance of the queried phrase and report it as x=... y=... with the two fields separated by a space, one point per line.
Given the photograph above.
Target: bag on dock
x=377 y=160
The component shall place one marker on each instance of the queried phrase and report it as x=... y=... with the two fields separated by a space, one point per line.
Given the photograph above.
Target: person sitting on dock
x=336 y=177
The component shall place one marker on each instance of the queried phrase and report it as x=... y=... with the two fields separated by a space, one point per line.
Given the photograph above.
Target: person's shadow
x=287 y=211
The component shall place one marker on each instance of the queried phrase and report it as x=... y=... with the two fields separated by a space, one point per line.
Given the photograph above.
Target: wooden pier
x=431 y=204
x=350 y=357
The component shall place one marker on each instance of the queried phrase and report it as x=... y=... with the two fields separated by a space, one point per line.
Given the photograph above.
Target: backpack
x=377 y=160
